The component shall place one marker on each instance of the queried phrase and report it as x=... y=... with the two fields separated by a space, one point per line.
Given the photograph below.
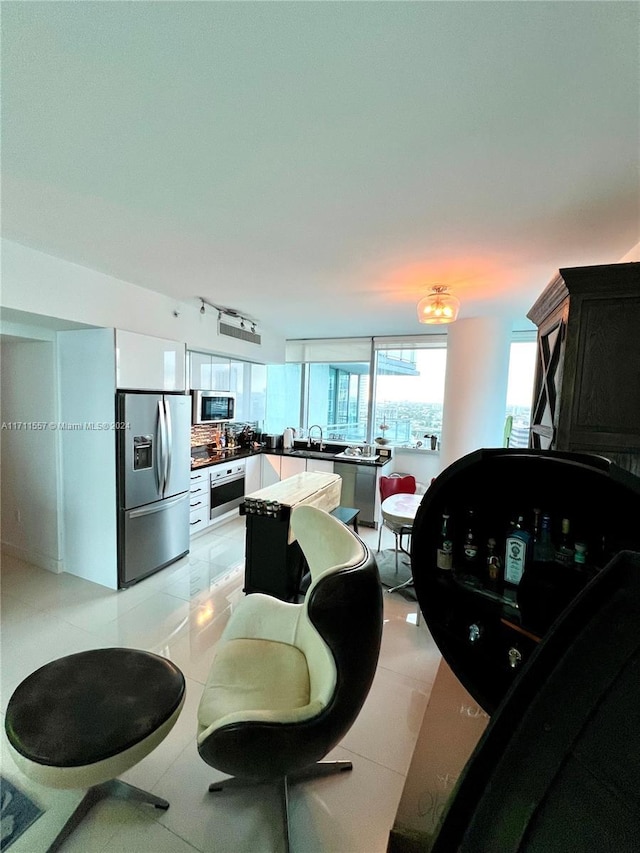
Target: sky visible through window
x=429 y=385
x=411 y=406
x=432 y=363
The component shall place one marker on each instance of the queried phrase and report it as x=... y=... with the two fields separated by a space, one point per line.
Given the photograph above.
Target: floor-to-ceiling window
x=409 y=391
x=359 y=389
x=338 y=396
x=522 y=362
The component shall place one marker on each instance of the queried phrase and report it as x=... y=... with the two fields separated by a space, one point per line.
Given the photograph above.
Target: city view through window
x=411 y=407
x=408 y=397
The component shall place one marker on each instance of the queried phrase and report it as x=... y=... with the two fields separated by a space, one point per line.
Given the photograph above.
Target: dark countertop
x=219 y=457
x=222 y=456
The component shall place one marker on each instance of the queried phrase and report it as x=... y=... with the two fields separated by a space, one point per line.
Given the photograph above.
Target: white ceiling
x=319 y=165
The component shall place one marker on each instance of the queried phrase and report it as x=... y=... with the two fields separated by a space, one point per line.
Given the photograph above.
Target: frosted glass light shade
x=438 y=307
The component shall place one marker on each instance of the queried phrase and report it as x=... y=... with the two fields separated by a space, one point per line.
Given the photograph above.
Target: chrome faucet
x=309 y=436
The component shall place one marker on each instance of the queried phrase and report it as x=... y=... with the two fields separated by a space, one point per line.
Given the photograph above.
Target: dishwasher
x=359 y=483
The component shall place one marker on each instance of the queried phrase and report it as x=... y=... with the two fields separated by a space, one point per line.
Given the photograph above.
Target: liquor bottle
x=580 y=555
x=536 y=526
x=470 y=547
x=494 y=565
x=517 y=546
x=444 y=555
x=564 y=551
x=543 y=550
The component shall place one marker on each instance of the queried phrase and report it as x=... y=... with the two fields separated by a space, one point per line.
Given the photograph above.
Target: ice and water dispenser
x=142 y=452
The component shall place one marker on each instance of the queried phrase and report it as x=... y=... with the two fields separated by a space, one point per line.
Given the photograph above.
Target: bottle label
x=580 y=556
x=514 y=560
x=470 y=551
x=564 y=556
x=444 y=557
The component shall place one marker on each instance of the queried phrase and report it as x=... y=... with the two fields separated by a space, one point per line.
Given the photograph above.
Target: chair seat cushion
x=254 y=675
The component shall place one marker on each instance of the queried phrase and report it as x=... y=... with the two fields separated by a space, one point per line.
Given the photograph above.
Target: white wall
x=423 y=464
x=29 y=457
x=44 y=285
x=87 y=371
x=632 y=255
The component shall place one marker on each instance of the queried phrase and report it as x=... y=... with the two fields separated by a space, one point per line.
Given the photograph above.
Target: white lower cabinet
x=321 y=466
x=199 y=501
x=270 y=469
x=292 y=465
x=253 y=474
x=276 y=468
x=261 y=470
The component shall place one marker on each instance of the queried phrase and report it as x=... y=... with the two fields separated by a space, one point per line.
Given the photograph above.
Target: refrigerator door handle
x=162 y=424
x=169 y=434
x=158 y=506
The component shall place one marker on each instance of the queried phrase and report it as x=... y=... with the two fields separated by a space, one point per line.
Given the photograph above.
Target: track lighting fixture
x=228 y=312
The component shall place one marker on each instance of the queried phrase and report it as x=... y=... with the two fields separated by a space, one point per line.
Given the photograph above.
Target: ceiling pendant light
x=439 y=306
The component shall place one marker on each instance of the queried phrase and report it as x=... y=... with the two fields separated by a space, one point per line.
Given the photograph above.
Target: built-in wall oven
x=227 y=487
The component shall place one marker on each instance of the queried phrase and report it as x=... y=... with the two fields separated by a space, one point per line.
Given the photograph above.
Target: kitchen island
x=274 y=561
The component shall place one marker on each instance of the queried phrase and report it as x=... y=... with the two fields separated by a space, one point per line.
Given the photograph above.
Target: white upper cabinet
x=199 y=371
x=220 y=373
x=145 y=363
x=242 y=378
x=209 y=372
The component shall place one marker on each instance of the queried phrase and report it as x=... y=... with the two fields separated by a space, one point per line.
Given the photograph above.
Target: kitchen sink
x=311 y=454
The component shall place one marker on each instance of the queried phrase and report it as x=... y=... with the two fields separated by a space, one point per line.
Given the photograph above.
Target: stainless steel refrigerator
x=153 y=458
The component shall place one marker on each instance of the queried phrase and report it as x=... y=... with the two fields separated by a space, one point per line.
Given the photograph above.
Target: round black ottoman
x=80 y=721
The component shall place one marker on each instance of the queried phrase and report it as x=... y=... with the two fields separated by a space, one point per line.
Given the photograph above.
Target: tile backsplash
x=206 y=434
x=212 y=433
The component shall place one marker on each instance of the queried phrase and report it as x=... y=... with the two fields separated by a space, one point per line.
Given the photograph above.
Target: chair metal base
x=404 y=585
x=113 y=788
x=398 y=532
x=314 y=771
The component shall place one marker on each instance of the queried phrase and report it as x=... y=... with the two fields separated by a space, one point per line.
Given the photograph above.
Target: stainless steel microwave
x=213 y=407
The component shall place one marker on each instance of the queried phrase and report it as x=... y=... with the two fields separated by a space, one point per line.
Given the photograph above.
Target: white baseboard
x=42 y=561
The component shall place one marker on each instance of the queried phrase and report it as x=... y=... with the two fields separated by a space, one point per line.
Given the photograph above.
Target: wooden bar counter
x=274 y=561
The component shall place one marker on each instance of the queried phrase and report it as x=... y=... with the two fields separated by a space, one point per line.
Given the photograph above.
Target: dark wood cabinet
x=587 y=385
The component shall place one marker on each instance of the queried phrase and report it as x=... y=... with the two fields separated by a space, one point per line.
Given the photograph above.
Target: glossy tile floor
x=179 y=613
